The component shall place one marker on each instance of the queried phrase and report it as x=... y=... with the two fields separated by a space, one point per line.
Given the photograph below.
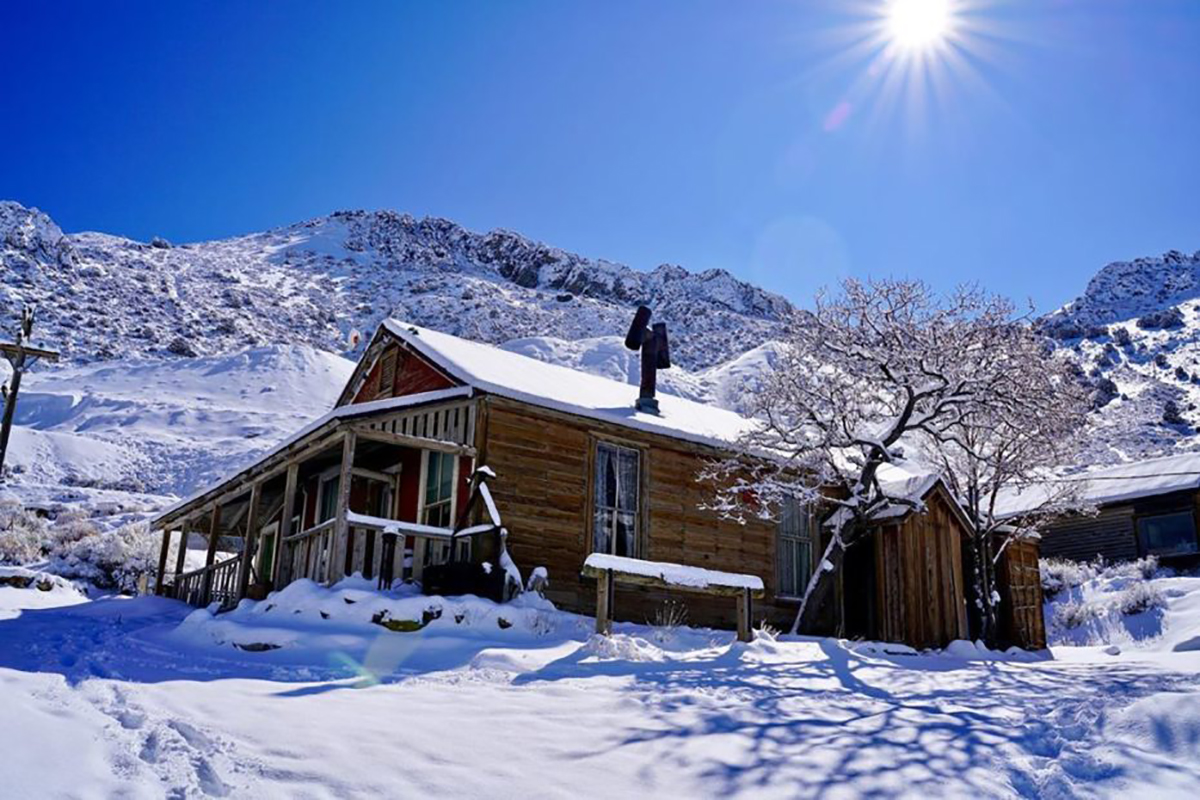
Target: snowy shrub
x=1076 y=613
x=669 y=617
x=22 y=535
x=1167 y=318
x=1140 y=598
x=1059 y=575
x=113 y=560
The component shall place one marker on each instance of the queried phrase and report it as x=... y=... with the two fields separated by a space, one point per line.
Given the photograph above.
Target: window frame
x=1143 y=544
x=641 y=510
x=809 y=526
x=422 y=506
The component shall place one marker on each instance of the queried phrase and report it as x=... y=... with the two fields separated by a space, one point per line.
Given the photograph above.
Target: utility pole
x=21 y=356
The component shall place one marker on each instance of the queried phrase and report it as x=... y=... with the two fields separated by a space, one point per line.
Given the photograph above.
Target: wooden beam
x=278 y=577
x=341 y=529
x=659 y=583
x=214 y=532
x=248 y=542
x=419 y=442
x=160 y=577
x=267 y=469
x=19 y=350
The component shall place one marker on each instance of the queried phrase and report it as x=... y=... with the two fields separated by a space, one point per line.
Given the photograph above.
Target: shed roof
x=1115 y=484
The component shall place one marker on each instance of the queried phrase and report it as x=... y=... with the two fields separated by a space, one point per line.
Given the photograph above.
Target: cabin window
x=616 y=489
x=793 y=549
x=437 y=506
x=1168 y=534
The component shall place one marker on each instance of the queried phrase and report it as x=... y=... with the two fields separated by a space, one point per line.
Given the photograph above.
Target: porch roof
x=310 y=432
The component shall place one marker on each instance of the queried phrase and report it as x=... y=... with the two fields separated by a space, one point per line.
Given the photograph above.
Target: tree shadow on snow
x=871 y=725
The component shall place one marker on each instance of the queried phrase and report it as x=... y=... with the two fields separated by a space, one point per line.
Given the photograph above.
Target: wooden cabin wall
x=1110 y=533
x=919 y=586
x=543 y=463
x=1019 y=582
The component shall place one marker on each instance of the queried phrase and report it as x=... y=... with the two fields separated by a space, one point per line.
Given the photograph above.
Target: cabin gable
x=390 y=368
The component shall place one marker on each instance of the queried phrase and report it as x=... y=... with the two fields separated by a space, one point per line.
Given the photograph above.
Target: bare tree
x=882 y=367
x=998 y=460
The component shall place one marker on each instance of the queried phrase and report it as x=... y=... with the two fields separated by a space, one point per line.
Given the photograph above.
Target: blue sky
x=763 y=137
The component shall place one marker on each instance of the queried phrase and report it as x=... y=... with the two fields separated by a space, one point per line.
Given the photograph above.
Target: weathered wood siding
x=1019 y=580
x=919 y=589
x=397 y=372
x=1111 y=533
x=543 y=461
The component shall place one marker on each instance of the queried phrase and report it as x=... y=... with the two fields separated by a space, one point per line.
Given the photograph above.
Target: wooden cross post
x=21 y=357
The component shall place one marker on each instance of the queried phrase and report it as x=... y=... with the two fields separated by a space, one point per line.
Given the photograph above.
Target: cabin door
x=264 y=559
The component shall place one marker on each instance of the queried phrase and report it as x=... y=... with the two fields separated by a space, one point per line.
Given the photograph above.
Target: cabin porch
x=388 y=495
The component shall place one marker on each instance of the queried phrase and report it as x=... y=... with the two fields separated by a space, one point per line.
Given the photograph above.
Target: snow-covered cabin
x=461 y=467
x=1148 y=507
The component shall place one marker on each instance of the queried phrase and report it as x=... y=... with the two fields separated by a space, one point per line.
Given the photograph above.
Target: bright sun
x=919 y=24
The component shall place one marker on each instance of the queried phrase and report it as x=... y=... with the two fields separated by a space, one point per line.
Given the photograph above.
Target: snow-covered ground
x=304 y=695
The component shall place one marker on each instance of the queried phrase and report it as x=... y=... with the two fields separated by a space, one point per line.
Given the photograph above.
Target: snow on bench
x=673 y=575
x=608 y=570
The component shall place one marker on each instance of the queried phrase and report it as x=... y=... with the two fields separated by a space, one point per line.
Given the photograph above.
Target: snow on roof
x=908 y=483
x=342 y=412
x=674 y=574
x=519 y=377
x=1115 y=484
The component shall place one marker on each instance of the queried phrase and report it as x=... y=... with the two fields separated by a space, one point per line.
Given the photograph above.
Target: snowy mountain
x=1136 y=333
x=325 y=282
x=185 y=361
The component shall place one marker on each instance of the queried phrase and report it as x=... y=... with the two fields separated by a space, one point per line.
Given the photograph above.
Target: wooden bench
x=610 y=570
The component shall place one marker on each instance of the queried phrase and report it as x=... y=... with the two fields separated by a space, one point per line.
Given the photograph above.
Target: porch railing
x=217 y=583
x=371 y=549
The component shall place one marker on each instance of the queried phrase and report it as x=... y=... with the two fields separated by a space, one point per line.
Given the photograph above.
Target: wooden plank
x=604 y=590
x=418 y=442
x=744 y=605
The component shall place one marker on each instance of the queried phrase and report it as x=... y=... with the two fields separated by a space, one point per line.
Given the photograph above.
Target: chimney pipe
x=652 y=341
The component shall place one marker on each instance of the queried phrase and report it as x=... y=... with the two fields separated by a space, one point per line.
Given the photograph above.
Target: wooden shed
x=905 y=582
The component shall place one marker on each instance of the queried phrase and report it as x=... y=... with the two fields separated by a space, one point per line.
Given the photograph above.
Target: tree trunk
x=820 y=587
x=983 y=581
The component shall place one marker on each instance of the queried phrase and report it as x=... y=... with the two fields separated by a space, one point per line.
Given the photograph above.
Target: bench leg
x=743 y=616
x=604 y=590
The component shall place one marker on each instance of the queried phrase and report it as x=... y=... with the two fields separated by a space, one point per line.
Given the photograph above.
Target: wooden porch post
x=279 y=576
x=248 y=541
x=181 y=556
x=341 y=527
x=214 y=532
x=162 y=562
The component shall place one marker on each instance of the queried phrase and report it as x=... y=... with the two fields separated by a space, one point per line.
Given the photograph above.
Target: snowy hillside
x=318 y=282
x=1136 y=332
x=163 y=426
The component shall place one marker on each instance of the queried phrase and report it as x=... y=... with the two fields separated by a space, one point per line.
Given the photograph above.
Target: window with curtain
x=1168 y=534
x=437 y=507
x=793 y=549
x=616 y=484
